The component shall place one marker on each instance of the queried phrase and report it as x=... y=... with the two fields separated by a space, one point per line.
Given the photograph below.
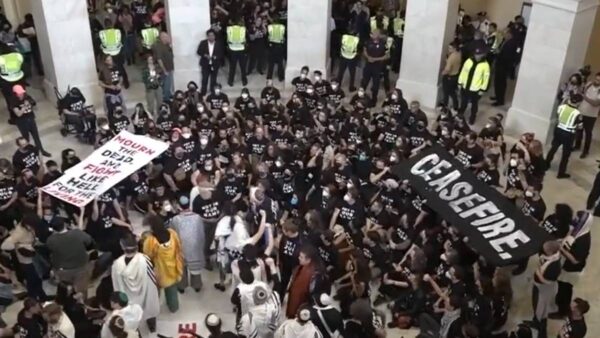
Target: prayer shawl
x=190 y=228
x=263 y=318
x=137 y=280
x=291 y=328
x=131 y=314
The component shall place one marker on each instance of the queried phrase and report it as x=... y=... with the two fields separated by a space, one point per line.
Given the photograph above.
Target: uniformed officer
x=149 y=36
x=473 y=80
x=236 y=43
x=569 y=120
x=398 y=33
x=11 y=73
x=276 y=38
x=349 y=56
x=111 y=43
x=390 y=47
x=375 y=54
x=379 y=22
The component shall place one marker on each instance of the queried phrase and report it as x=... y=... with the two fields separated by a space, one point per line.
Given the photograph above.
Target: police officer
x=149 y=36
x=398 y=33
x=349 y=56
x=375 y=54
x=111 y=43
x=473 y=80
x=390 y=48
x=276 y=38
x=236 y=42
x=11 y=74
x=569 y=120
x=379 y=22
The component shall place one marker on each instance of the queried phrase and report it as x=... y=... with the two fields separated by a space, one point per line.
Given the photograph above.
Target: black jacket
x=203 y=52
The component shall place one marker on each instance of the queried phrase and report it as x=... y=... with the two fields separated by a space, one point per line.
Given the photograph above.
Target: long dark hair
x=158 y=228
x=230 y=210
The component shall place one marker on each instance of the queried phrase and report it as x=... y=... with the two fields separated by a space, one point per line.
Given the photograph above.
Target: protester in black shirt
x=558 y=224
x=27 y=190
x=301 y=82
x=575 y=326
x=216 y=99
x=533 y=203
x=69 y=159
x=489 y=173
x=178 y=171
x=26 y=157
x=104 y=133
x=30 y=323
x=270 y=94
x=469 y=153
x=21 y=104
x=289 y=249
x=119 y=121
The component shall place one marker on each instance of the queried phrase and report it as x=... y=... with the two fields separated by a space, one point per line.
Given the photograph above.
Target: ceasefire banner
x=106 y=166
x=494 y=227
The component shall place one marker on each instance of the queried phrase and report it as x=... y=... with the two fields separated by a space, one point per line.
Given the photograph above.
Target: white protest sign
x=105 y=167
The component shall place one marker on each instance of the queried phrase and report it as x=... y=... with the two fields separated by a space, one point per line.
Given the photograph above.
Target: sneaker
x=220 y=287
x=583 y=155
x=45 y=153
x=497 y=104
x=182 y=291
x=560 y=176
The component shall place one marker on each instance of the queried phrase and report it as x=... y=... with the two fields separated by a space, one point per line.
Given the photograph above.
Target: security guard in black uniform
x=376 y=57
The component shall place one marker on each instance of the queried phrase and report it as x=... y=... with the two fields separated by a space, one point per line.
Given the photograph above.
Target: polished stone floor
x=195 y=306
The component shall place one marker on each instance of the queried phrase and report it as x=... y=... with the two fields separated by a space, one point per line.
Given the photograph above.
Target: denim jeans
x=167 y=85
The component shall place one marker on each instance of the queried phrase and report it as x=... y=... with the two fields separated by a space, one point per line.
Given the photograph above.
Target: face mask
x=225 y=109
x=309 y=91
x=303 y=76
x=244 y=96
x=208 y=168
x=513 y=162
x=203 y=141
x=48 y=218
x=317 y=78
x=362 y=157
x=445 y=132
x=448 y=274
x=186 y=135
x=488 y=126
x=347 y=198
x=109 y=10
x=325 y=193
x=393 y=159
x=278 y=164
x=164 y=112
x=294 y=200
x=167 y=207
x=201 y=109
x=529 y=193
x=217 y=91
x=361 y=94
x=334 y=86
x=394 y=97
x=105 y=127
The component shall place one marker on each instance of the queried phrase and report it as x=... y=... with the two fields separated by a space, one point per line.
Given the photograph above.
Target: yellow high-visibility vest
x=567 y=117
x=349 y=46
x=111 y=41
x=276 y=33
x=149 y=36
x=398 y=25
x=481 y=76
x=10 y=67
x=236 y=37
x=385 y=22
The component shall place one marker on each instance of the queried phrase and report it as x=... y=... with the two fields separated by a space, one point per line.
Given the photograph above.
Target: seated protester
x=575 y=326
x=139 y=118
x=489 y=173
x=349 y=213
x=192 y=99
x=165 y=122
x=30 y=323
x=491 y=136
x=59 y=324
x=231 y=188
x=373 y=250
x=27 y=190
x=415 y=114
x=26 y=157
x=469 y=153
x=74 y=111
x=419 y=137
x=516 y=180
x=269 y=94
x=136 y=191
x=450 y=325
x=107 y=227
x=69 y=159
x=257 y=144
x=302 y=81
x=177 y=171
x=104 y=134
x=360 y=98
x=460 y=128
x=179 y=105
x=242 y=102
x=479 y=310
x=320 y=85
x=335 y=94
x=311 y=98
x=52 y=172
x=576 y=246
x=216 y=98
x=533 y=203
x=77 y=311
x=365 y=322
x=444 y=137
x=119 y=121
x=355 y=283
x=444 y=118
x=397 y=105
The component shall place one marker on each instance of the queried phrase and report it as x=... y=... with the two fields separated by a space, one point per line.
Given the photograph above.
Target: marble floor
x=195 y=306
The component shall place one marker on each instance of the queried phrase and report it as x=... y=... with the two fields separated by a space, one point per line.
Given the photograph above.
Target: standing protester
x=575 y=326
x=375 y=53
x=236 y=42
x=589 y=108
x=569 y=121
x=276 y=39
x=473 y=80
x=163 y=53
x=110 y=80
x=211 y=55
x=21 y=105
x=506 y=61
x=545 y=285
x=133 y=274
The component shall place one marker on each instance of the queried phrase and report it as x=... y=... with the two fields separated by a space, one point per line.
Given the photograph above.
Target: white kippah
x=325 y=299
x=213 y=320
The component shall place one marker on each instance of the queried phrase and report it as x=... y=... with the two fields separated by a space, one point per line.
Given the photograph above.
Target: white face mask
x=201 y=108
x=325 y=193
x=393 y=159
x=203 y=141
x=105 y=127
x=529 y=193
x=278 y=164
x=347 y=198
x=448 y=274
x=361 y=94
x=309 y=91
x=225 y=109
x=168 y=207
x=303 y=76
x=488 y=126
x=217 y=91
x=513 y=162
x=244 y=96
x=334 y=86
x=445 y=132
x=394 y=97
x=186 y=135
x=317 y=78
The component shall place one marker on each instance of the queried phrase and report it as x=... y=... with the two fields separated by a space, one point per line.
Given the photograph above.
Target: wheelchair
x=81 y=123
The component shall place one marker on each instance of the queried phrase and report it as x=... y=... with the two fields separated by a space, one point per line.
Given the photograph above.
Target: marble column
x=65 y=40
x=555 y=47
x=308 y=34
x=429 y=28
x=188 y=21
